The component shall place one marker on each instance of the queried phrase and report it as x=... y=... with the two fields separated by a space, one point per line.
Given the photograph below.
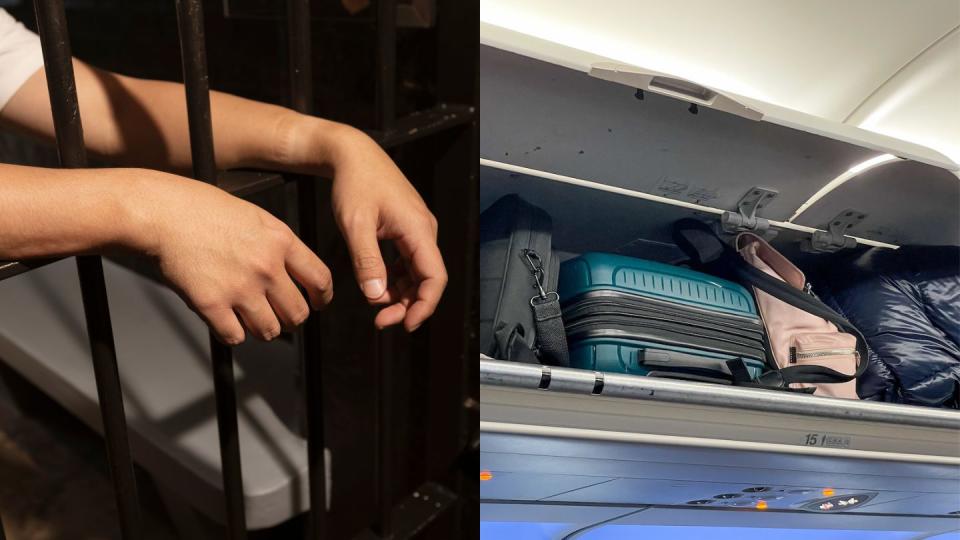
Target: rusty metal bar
x=193 y=55
x=301 y=99
x=58 y=65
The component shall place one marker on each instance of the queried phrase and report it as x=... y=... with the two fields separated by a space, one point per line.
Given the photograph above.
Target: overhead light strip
x=850 y=174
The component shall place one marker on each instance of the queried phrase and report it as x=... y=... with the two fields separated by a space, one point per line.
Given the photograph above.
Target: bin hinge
x=834 y=238
x=745 y=218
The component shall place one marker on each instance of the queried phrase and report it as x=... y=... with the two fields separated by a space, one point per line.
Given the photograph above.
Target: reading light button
x=837 y=503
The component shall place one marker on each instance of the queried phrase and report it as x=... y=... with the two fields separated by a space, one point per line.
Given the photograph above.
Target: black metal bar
x=301 y=99
x=3 y=536
x=421 y=124
x=58 y=64
x=8 y=269
x=386 y=115
x=193 y=55
x=386 y=63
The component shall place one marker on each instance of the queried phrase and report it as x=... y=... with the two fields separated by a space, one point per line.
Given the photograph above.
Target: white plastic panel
x=905 y=203
x=642 y=474
x=163 y=359
x=546 y=117
x=920 y=102
x=509 y=521
x=818 y=58
x=520 y=485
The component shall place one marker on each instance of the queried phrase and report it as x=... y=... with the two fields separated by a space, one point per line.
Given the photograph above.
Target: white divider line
x=589 y=184
x=487 y=426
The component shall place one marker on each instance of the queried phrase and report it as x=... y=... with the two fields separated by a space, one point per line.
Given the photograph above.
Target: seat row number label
x=826 y=440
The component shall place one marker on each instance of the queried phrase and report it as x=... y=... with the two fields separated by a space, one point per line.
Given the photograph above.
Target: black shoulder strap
x=551 y=336
x=702 y=245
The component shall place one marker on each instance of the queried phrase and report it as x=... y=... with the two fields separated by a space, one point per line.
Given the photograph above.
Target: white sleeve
x=20 y=56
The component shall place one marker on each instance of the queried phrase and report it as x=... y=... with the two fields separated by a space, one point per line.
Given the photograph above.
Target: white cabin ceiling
x=888 y=66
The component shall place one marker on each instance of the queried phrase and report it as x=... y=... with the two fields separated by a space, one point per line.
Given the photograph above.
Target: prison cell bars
x=58 y=64
x=193 y=55
x=299 y=45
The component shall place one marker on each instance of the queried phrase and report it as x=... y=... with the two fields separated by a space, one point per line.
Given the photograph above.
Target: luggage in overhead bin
x=812 y=346
x=641 y=317
x=519 y=307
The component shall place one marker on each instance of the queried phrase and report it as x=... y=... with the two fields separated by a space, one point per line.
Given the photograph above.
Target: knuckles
x=367 y=260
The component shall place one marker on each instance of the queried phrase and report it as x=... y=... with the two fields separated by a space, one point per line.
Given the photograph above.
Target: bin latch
x=835 y=238
x=745 y=218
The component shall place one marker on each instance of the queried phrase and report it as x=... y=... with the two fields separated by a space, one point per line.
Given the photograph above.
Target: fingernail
x=372 y=288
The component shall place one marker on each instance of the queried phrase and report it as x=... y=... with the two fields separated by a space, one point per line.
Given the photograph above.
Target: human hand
x=232 y=262
x=372 y=201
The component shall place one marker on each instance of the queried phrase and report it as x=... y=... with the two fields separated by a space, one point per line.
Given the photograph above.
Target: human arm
x=144 y=123
x=228 y=259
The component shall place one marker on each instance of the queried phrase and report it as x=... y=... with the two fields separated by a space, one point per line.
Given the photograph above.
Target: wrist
x=316 y=146
x=139 y=210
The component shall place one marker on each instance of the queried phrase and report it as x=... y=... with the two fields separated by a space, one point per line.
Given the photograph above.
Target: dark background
x=434 y=388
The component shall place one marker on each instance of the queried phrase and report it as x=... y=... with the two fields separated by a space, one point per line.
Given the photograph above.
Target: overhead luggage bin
x=615 y=153
x=550 y=120
x=615 y=150
x=767 y=62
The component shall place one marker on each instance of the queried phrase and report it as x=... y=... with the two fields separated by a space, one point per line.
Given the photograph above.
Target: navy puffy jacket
x=907 y=305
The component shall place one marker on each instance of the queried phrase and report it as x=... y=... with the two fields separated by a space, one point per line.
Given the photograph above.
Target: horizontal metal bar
x=245 y=183
x=517 y=375
x=599 y=186
x=8 y=269
x=415 y=512
x=424 y=123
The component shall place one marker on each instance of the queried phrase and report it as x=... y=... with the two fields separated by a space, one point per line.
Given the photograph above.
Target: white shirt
x=20 y=56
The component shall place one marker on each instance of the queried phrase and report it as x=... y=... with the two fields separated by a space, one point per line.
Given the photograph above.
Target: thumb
x=361 y=236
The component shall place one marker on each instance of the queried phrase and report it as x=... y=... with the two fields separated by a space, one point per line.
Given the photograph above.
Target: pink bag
x=797 y=337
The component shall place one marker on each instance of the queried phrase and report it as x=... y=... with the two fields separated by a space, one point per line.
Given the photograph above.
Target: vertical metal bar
x=193 y=54
x=386 y=63
x=386 y=119
x=58 y=64
x=301 y=100
x=2 y=535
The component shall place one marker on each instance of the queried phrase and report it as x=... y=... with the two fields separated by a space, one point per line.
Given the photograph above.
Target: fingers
x=225 y=325
x=259 y=318
x=426 y=264
x=390 y=315
x=310 y=272
x=361 y=236
x=287 y=302
x=399 y=296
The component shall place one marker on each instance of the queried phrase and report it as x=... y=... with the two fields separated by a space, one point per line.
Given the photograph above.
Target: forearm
x=143 y=123
x=58 y=212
